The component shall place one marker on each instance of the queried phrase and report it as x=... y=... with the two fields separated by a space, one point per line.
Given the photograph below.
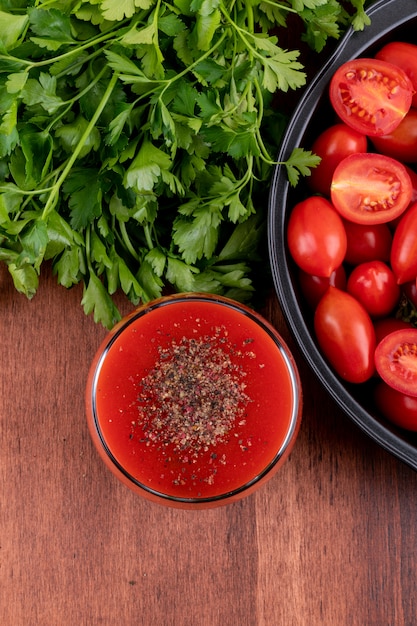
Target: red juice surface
x=247 y=371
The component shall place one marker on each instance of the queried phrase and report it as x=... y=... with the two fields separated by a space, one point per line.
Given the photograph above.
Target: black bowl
x=390 y=20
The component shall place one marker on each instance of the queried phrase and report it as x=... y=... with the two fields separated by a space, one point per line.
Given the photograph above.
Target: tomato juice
x=193 y=400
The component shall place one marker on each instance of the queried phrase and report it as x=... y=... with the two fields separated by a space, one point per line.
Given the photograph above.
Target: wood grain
x=330 y=540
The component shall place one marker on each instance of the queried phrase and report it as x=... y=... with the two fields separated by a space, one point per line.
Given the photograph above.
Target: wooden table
x=331 y=540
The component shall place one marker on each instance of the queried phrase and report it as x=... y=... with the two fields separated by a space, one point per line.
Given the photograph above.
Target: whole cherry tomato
x=396 y=360
x=367 y=242
x=404 y=55
x=384 y=327
x=400 y=143
x=346 y=335
x=397 y=407
x=374 y=285
x=404 y=247
x=313 y=287
x=332 y=146
x=410 y=291
x=316 y=236
x=370 y=95
x=370 y=188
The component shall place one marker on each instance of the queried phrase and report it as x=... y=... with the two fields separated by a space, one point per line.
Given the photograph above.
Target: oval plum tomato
x=346 y=335
x=370 y=95
x=400 y=143
x=374 y=285
x=313 y=287
x=367 y=242
x=396 y=360
x=384 y=327
x=316 y=236
x=396 y=407
x=404 y=55
x=332 y=146
x=404 y=247
x=370 y=188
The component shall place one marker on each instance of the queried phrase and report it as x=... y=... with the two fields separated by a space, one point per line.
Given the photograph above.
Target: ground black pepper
x=194 y=394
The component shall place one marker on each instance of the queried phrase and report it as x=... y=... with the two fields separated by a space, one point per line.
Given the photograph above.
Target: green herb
x=137 y=139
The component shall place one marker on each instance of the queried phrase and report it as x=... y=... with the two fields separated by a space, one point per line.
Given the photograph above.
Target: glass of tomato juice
x=193 y=400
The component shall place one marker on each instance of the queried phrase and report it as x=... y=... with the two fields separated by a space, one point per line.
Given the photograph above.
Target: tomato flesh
x=369 y=188
x=396 y=360
x=404 y=55
x=371 y=95
x=401 y=143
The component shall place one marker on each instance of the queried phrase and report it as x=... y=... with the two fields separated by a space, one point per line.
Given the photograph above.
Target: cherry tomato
x=332 y=146
x=395 y=406
x=313 y=287
x=346 y=335
x=374 y=285
x=403 y=55
x=316 y=236
x=370 y=188
x=396 y=360
x=370 y=95
x=413 y=177
x=404 y=247
x=410 y=291
x=367 y=242
x=384 y=327
x=401 y=143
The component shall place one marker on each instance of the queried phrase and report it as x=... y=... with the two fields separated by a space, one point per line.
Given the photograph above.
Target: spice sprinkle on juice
x=192 y=399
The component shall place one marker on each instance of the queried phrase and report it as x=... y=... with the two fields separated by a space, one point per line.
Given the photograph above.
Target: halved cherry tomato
x=316 y=236
x=370 y=95
x=397 y=407
x=374 y=285
x=313 y=287
x=367 y=242
x=384 y=327
x=370 y=188
x=404 y=247
x=346 y=335
x=396 y=360
x=400 y=143
x=332 y=146
x=404 y=55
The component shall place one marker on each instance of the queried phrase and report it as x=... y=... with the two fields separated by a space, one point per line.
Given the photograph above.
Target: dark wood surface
x=330 y=540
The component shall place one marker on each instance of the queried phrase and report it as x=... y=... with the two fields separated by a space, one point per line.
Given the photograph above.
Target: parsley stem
x=53 y=196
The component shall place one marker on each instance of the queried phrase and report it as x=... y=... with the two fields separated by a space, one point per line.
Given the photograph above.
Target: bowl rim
x=386 y=16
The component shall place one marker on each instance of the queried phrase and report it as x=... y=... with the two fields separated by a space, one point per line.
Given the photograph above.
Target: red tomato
x=397 y=407
x=370 y=188
x=396 y=360
x=403 y=55
x=316 y=236
x=410 y=291
x=374 y=285
x=404 y=247
x=313 y=287
x=346 y=335
x=384 y=327
x=367 y=242
x=401 y=143
x=370 y=95
x=332 y=146
x=413 y=177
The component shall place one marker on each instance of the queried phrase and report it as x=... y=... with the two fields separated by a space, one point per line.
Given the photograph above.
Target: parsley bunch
x=137 y=139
